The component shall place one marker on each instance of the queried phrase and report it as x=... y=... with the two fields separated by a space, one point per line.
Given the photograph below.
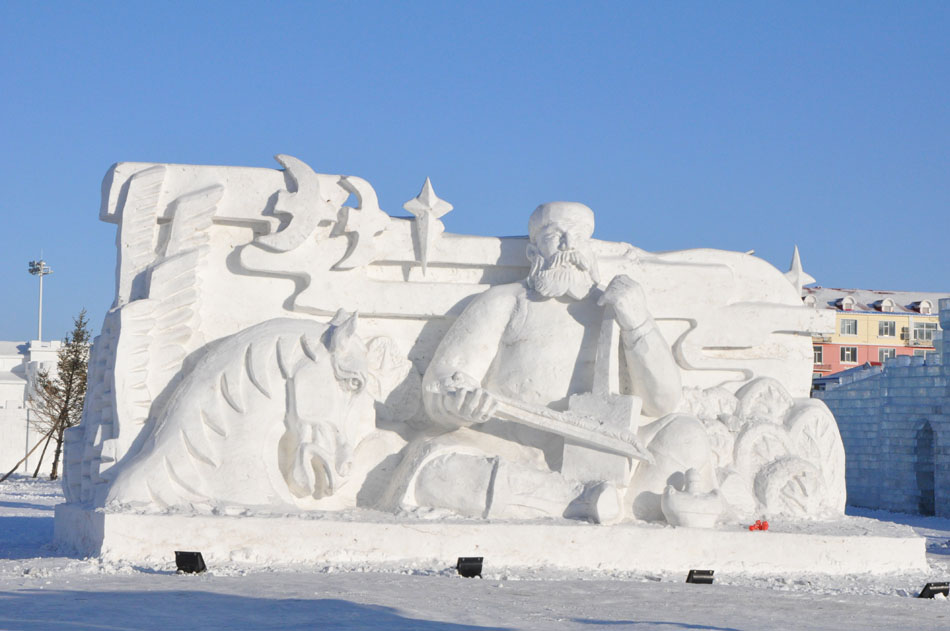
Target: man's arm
x=653 y=370
x=654 y=375
x=452 y=390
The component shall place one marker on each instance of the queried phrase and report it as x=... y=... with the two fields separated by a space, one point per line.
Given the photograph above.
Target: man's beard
x=568 y=272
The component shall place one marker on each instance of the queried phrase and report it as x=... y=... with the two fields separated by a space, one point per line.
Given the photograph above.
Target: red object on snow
x=759 y=525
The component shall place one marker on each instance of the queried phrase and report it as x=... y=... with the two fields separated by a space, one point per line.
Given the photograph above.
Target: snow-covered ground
x=42 y=589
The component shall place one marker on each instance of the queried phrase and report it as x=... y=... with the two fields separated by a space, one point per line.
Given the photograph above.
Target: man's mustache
x=569 y=258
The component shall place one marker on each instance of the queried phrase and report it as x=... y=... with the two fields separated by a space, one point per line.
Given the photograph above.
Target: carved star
x=796 y=275
x=427 y=209
x=427 y=202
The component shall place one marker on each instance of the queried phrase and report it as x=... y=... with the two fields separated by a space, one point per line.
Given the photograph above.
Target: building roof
x=865 y=370
x=12 y=348
x=873 y=300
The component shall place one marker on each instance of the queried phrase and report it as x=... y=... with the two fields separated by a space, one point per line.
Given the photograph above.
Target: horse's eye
x=354 y=384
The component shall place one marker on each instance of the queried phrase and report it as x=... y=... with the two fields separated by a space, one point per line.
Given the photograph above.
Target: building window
x=818 y=354
x=925 y=307
x=883 y=354
x=849 y=326
x=849 y=354
x=887 y=305
x=924 y=331
x=886 y=328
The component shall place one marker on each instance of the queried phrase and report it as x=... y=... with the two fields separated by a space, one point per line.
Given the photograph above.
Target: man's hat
x=573 y=212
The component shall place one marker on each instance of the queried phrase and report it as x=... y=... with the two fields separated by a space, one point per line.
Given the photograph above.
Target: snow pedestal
x=847 y=546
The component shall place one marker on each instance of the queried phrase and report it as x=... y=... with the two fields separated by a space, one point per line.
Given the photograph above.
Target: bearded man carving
x=536 y=342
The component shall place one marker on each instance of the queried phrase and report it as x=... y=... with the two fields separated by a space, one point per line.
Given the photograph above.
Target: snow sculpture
x=553 y=376
x=219 y=439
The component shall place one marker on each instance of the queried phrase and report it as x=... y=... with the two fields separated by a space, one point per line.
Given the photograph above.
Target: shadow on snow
x=35 y=542
x=39 y=507
x=652 y=624
x=162 y=610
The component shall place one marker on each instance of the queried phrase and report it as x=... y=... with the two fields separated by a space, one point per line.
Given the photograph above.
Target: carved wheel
x=760 y=444
x=815 y=434
x=792 y=486
x=764 y=399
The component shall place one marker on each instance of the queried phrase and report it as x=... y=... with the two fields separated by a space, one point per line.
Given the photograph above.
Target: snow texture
x=42 y=589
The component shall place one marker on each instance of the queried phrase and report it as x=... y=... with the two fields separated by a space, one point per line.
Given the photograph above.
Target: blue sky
x=692 y=124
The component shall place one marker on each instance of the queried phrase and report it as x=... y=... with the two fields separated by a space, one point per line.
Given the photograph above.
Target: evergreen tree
x=57 y=400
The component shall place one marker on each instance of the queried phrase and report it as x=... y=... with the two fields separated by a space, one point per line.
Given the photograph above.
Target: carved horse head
x=328 y=412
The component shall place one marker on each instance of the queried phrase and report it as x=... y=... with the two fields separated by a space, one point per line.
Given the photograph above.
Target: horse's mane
x=188 y=440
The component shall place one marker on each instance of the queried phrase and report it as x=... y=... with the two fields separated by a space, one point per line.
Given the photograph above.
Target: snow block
x=846 y=546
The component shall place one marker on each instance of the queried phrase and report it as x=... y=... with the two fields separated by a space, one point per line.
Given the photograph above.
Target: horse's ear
x=339 y=317
x=344 y=332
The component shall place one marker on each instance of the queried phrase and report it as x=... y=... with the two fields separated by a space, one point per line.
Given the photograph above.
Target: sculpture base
x=847 y=546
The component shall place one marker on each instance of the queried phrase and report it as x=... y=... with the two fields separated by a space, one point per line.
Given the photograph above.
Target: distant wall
x=19 y=363
x=895 y=425
x=14 y=435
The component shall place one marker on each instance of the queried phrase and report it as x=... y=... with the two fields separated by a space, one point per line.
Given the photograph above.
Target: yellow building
x=872 y=326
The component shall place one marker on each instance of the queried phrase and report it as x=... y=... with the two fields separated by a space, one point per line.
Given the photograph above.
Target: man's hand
x=626 y=296
x=474 y=406
x=463 y=398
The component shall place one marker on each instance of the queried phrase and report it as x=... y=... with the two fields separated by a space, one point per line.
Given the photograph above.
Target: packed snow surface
x=40 y=588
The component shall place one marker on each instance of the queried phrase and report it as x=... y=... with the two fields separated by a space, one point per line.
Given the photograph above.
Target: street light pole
x=39 y=268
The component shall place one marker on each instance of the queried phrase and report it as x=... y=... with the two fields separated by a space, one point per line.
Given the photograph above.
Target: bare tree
x=57 y=400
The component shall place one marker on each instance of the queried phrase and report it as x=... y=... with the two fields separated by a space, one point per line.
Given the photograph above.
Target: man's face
x=563 y=261
x=560 y=236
